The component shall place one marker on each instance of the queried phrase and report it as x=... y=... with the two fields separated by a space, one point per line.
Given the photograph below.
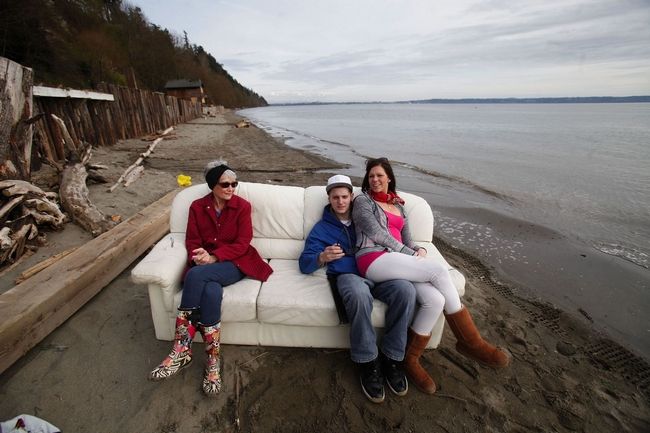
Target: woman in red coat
x=218 y=237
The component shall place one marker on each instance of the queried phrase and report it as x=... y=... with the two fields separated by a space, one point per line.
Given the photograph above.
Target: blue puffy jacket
x=329 y=231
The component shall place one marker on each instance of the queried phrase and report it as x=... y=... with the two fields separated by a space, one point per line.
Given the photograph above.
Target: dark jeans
x=357 y=294
x=203 y=289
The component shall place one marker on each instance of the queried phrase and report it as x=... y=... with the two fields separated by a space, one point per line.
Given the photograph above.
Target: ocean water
x=553 y=197
x=580 y=169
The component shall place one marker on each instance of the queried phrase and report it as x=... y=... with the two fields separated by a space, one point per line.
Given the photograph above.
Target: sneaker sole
x=402 y=393
x=371 y=398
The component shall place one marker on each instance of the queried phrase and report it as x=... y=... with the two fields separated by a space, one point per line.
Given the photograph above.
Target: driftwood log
x=135 y=170
x=73 y=189
x=75 y=201
x=24 y=207
x=38 y=305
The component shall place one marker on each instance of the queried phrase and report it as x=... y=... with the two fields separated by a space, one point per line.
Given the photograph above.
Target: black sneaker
x=394 y=374
x=372 y=382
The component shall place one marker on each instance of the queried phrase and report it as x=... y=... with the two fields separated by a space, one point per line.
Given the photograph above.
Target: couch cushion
x=277 y=209
x=290 y=297
x=315 y=201
x=278 y=248
x=277 y=215
x=416 y=208
x=277 y=212
x=239 y=301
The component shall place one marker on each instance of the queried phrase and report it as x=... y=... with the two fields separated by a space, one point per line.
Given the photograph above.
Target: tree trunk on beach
x=15 y=120
x=75 y=201
x=73 y=189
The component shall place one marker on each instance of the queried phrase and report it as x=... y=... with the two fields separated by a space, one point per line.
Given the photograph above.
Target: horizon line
x=551 y=99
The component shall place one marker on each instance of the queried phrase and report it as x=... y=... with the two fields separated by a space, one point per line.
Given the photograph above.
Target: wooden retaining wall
x=133 y=113
x=15 y=112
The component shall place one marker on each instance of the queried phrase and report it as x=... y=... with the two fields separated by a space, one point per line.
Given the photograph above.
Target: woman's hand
x=202 y=257
x=421 y=252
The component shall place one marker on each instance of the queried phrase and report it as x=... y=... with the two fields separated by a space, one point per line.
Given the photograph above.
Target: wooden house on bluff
x=186 y=89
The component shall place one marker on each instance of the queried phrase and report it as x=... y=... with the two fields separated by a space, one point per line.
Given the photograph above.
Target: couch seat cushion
x=239 y=301
x=290 y=297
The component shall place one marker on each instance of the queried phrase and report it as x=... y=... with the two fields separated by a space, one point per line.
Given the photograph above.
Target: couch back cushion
x=284 y=215
x=278 y=213
x=416 y=208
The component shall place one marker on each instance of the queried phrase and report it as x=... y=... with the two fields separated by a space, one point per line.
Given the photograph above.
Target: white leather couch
x=290 y=309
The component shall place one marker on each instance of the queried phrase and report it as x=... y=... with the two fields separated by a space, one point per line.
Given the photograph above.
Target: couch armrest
x=164 y=264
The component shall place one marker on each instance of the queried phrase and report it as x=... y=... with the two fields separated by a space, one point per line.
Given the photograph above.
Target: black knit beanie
x=214 y=174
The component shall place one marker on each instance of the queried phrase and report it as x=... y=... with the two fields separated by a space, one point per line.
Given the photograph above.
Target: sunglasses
x=225 y=185
x=376 y=161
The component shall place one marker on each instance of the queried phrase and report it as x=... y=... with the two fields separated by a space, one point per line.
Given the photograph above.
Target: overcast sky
x=373 y=50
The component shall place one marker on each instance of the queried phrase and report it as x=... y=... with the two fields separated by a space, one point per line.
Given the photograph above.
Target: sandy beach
x=91 y=373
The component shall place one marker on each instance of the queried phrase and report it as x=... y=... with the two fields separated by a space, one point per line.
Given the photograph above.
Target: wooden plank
x=55 y=92
x=34 y=308
x=38 y=267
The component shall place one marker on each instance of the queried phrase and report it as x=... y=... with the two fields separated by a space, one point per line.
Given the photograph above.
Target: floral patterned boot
x=181 y=354
x=212 y=376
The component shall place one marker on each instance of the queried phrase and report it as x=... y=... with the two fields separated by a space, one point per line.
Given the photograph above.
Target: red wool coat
x=228 y=237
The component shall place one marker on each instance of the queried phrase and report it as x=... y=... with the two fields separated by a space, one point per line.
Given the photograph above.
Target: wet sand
x=547 y=265
x=90 y=374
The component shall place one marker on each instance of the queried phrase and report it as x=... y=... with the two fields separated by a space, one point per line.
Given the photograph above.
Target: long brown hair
x=373 y=162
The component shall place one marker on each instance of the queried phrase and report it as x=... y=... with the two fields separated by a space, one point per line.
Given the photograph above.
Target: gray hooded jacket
x=371 y=224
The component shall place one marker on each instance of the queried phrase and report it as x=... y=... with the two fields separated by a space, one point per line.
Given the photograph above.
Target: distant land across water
x=559 y=100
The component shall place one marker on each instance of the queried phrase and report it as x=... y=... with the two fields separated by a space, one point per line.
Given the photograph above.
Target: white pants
x=435 y=289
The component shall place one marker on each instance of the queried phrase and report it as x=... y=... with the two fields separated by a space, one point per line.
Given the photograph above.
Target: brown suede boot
x=471 y=344
x=414 y=371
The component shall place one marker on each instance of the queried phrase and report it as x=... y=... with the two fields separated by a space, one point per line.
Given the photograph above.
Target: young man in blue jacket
x=331 y=244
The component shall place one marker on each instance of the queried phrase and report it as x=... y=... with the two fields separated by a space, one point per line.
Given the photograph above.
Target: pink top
x=395 y=224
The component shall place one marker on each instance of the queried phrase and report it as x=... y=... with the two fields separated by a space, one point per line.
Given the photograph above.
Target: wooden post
x=15 y=128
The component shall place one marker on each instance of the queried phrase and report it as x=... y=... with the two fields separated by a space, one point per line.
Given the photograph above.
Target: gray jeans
x=357 y=294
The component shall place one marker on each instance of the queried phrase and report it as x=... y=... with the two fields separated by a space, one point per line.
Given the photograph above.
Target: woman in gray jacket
x=386 y=251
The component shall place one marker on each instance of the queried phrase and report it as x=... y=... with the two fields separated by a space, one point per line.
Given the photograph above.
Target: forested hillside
x=79 y=43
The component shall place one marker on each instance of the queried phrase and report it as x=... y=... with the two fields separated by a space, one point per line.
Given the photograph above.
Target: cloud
x=368 y=50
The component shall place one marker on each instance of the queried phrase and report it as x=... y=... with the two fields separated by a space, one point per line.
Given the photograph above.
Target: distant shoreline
x=559 y=100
